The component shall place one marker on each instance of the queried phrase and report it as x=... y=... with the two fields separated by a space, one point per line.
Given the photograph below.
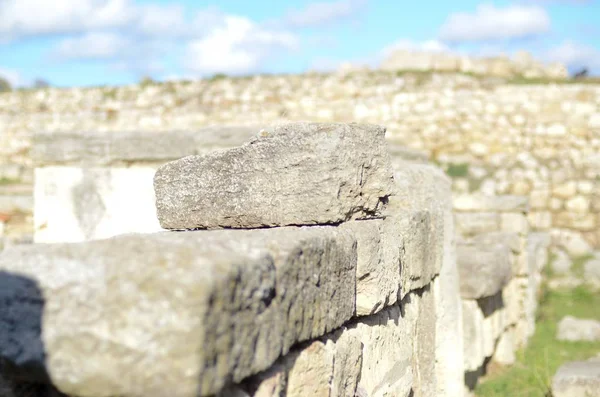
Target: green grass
x=458 y=170
x=8 y=181
x=578 y=263
x=521 y=80
x=531 y=375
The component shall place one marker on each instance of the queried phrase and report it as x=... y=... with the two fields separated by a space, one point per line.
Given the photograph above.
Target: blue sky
x=107 y=42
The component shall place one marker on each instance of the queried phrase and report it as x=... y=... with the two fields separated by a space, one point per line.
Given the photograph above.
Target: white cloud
x=28 y=18
x=321 y=13
x=576 y=55
x=489 y=22
x=238 y=46
x=92 y=46
x=23 y=18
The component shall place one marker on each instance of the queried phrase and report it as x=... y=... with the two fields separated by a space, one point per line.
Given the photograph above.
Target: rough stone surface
x=473 y=339
x=297 y=174
x=242 y=299
x=575 y=329
x=376 y=356
x=591 y=270
x=81 y=204
x=562 y=263
x=96 y=148
x=474 y=223
x=486 y=203
x=484 y=270
x=505 y=350
x=577 y=379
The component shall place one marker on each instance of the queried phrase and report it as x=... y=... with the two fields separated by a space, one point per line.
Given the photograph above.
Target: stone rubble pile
x=332 y=272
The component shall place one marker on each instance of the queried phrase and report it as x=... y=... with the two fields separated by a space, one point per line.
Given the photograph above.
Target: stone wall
x=522 y=64
x=336 y=276
x=492 y=137
x=500 y=266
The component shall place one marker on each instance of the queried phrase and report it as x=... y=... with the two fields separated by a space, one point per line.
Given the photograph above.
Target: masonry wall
x=353 y=289
x=542 y=141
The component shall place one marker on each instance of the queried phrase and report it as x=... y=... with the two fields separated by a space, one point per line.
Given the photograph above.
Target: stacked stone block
x=331 y=274
x=500 y=272
x=92 y=185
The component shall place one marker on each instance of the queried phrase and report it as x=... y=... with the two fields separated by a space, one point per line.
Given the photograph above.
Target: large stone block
x=176 y=314
x=577 y=379
x=395 y=256
x=377 y=275
x=385 y=354
x=484 y=270
x=296 y=174
x=388 y=340
x=80 y=204
x=474 y=223
x=578 y=329
x=473 y=339
x=102 y=148
x=327 y=367
x=484 y=203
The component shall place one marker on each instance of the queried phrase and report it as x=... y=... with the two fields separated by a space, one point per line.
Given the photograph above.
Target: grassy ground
x=531 y=376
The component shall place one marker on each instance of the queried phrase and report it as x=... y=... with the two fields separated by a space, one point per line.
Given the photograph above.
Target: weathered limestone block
x=241 y=298
x=395 y=256
x=449 y=331
x=474 y=223
x=577 y=379
x=482 y=203
x=425 y=186
x=420 y=187
x=473 y=338
x=510 y=240
x=388 y=340
x=520 y=311
x=570 y=241
x=386 y=354
x=16 y=203
x=591 y=270
x=505 y=349
x=424 y=362
x=97 y=148
x=514 y=223
x=80 y=204
x=578 y=329
x=483 y=270
x=296 y=174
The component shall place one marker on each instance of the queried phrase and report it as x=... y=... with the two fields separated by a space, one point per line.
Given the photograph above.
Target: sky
x=115 y=42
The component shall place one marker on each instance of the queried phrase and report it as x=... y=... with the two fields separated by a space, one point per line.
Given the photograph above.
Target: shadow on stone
x=23 y=370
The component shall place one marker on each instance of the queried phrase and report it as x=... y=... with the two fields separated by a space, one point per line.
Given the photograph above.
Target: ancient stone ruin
x=313 y=259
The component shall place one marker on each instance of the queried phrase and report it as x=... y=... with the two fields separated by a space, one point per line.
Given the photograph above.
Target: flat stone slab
x=295 y=174
x=171 y=314
x=117 y=147
x=577 y=329
x=577 y=379
x=506 y=203
x=484 y=269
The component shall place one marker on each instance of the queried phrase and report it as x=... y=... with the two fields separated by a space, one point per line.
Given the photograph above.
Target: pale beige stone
x=514 y=223
x=469 y=224
x=565 y=190
x=540 y=220
x=578 y=204
x=242 y=299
